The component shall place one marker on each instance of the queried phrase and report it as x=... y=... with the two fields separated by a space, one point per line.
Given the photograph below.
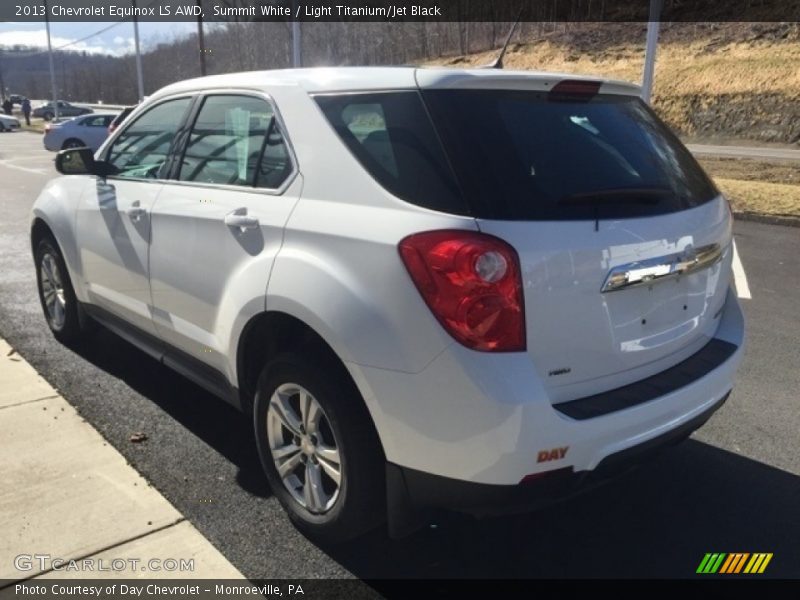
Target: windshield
x=523 y=155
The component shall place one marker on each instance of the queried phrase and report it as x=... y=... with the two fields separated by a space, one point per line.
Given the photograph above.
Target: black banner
x=398 y=10
x=354 y=589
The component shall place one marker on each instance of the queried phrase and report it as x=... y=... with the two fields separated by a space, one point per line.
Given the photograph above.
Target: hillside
x=713 y=81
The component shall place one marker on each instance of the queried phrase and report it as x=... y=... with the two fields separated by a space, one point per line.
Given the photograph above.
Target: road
x=754 y=152
x=734 y=487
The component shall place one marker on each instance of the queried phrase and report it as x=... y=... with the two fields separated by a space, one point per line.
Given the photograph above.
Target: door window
x=236 y=141
x=141 y=150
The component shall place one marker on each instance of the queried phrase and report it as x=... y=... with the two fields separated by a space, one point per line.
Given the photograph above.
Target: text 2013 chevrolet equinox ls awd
x=462 y=289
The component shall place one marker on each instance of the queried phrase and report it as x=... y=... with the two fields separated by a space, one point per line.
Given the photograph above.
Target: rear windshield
x=521 y=155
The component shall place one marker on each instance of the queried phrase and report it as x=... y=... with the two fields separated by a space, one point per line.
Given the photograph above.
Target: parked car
x=88 y=131
x=65 y=109
x=427 y=288
x=120 y=118
x=16 y=98
x=8 y=123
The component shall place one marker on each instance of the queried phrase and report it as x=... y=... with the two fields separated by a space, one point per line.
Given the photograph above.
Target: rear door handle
x=136 y=212
x=239 y=218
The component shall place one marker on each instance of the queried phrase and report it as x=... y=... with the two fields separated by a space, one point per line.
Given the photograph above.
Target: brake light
x=471 y=282
x=47 y=127
x=574 y=90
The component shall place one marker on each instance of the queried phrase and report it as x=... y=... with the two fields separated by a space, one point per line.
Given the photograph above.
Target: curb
x=785 y=220
x=69 y=495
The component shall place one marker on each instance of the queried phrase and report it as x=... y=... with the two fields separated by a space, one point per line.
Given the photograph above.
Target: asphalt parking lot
x=734 y=487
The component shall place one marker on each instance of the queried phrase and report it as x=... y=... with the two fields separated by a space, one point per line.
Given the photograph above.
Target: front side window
x=141 y=150
x=236 y=141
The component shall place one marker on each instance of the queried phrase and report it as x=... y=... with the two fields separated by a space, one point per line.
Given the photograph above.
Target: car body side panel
x=57 y=206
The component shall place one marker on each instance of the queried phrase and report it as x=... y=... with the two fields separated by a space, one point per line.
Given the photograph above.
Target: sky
x=117 y=40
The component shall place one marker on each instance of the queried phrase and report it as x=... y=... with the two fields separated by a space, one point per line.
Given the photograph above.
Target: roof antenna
x=497 y=63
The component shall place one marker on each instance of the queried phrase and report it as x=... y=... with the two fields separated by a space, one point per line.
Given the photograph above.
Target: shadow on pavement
x=212 y=420
x=657 y=521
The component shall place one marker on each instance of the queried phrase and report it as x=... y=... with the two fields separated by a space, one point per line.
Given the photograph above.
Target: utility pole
x=650 y=49
x=2 y=85
x=139 y=76
x=297 y=49
x=52 y=68
x=201 y=42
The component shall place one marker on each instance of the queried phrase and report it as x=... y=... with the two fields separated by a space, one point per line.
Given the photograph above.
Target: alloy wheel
x=304 y=448
x=53 y=291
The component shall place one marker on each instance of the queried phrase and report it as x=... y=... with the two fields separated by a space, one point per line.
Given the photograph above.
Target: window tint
x=392 y=137
x=529 y=155
x=142 y=148
x=227 y=140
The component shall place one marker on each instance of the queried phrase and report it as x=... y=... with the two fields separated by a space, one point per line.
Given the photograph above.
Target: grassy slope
x=731 y=80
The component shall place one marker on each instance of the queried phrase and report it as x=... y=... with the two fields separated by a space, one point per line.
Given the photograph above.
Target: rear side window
x=101 y=121
x=227 y=142
x=392 y=137
x=523 y=155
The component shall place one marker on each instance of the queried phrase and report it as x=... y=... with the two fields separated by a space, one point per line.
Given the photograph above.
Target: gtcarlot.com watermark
x=46 y=562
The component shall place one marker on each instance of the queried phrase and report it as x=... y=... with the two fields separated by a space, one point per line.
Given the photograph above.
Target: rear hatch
x=624 y=242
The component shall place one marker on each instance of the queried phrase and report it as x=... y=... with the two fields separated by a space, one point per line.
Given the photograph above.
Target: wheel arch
x=266 y=335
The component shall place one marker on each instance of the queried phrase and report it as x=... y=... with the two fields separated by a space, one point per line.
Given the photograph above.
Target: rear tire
x=48 y=116
x=56 y=294
x=343 y=440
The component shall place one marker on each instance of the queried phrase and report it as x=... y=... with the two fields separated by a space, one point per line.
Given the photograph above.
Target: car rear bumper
x=419 y=491
x=488 y=419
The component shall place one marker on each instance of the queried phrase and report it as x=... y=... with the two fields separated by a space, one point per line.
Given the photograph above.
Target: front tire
x=56 y=293
x=319 y=448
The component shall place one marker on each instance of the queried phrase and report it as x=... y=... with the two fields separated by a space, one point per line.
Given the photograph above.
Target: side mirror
x=80 y=161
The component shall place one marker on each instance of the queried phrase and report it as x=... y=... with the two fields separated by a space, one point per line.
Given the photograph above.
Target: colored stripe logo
x=734 y=563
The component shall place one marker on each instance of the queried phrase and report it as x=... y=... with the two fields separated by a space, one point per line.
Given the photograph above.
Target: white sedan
x=8 y=123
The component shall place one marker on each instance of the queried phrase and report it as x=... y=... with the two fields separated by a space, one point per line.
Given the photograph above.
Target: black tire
x=73 y=143
x=48 y=116
x=360 y=505
x=70 y=330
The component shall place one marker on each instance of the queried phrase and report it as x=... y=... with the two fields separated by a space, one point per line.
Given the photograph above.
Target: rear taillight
x=471 y=282
x=47 y=128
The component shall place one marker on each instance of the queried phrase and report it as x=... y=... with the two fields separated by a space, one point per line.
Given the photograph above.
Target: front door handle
x=240 y=219
x=136 y=212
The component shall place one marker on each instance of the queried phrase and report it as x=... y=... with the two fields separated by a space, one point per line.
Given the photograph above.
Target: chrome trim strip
x=653 y=270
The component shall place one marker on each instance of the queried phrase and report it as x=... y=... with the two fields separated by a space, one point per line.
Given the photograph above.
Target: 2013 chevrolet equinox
x=431 y=288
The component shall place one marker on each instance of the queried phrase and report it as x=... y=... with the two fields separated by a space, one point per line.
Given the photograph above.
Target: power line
x=78 y=41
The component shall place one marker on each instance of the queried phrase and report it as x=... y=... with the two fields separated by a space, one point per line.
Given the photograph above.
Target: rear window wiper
x=616 y=196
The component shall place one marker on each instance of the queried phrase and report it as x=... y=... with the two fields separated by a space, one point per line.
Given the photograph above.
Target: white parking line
x=739 y=276
x=7 y=163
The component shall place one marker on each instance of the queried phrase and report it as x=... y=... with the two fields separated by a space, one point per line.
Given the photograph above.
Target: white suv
x=431 y=288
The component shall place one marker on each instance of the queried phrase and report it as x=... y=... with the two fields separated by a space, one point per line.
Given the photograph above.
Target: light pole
x=139 y=76
x=650 y=49
x=52 y=68
x=297 y=51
